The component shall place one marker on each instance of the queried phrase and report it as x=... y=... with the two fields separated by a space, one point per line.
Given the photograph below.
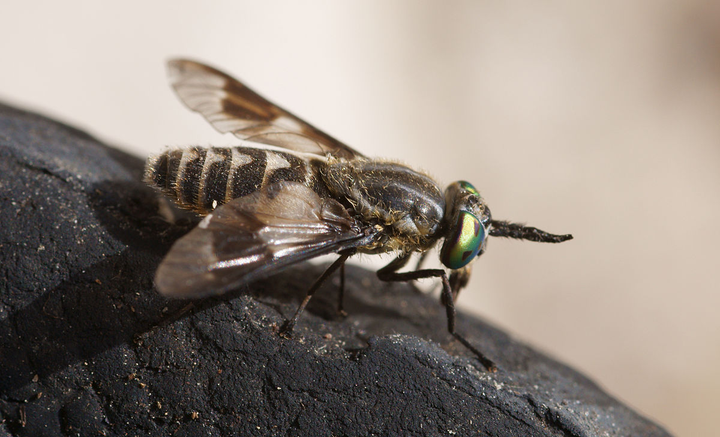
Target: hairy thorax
x=407 y=202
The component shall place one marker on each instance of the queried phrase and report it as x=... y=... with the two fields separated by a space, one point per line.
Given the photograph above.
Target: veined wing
x=232 y=107
x=255 y=236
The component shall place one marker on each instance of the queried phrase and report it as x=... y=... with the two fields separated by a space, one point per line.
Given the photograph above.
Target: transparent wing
x=232 y=107
x=255 y=236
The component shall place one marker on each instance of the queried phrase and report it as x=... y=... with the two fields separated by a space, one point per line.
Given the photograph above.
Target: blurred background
x=598 y=119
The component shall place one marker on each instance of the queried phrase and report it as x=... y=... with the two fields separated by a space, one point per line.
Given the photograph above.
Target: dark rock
x=87 y=347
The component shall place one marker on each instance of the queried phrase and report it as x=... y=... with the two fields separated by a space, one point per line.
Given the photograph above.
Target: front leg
x=390 y=273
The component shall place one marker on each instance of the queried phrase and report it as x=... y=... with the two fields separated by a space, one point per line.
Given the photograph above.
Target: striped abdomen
x=201 y=179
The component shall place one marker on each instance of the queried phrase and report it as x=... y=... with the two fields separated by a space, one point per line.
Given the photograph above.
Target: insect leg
x=421 y=259
x=393 y=267
x=286 y=331
x=450 y=308
x=458 y=280
x=389 y=273
x=341 y=296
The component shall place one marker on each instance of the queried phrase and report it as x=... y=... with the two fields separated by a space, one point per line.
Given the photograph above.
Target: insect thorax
x=410 y=203
x=201 y=179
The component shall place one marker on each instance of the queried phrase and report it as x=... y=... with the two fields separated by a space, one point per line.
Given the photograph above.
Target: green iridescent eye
x=465 y=185
x=465 y=242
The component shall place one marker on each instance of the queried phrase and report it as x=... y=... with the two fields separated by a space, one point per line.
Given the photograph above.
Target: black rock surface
x=87 y=347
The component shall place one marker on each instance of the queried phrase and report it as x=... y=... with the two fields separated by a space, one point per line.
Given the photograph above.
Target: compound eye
x=467 y=186
x=464 y=242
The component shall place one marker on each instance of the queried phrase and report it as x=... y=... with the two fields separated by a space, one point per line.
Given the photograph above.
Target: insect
x=291 y=192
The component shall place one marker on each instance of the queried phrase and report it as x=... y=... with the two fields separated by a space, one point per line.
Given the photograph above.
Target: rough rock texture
x=87 y=347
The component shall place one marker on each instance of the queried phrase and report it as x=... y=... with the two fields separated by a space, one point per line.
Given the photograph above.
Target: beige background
x=598 y=119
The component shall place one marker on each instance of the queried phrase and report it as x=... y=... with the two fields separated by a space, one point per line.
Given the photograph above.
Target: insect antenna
x=499 y=228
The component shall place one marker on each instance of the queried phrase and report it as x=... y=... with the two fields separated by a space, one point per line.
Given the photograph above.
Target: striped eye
x=464 y=242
